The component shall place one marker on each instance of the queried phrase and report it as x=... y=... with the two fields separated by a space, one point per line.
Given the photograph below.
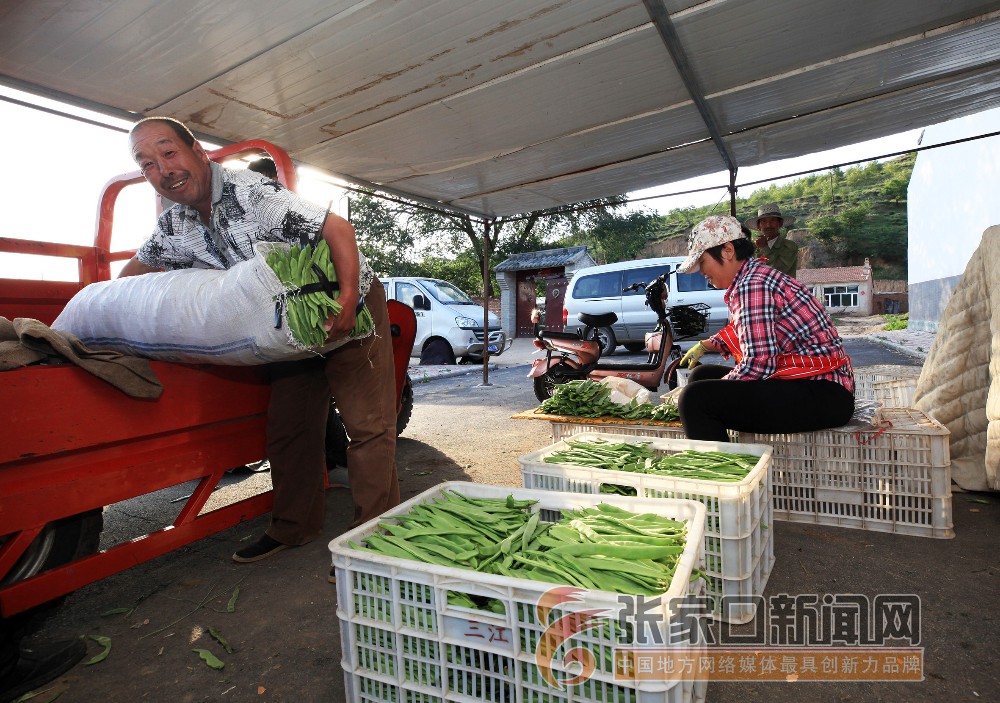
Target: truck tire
x=636 y=347
x=58 y=543
x=405 y=406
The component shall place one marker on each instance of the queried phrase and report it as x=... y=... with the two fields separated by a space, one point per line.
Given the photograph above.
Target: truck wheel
x=545 y=384
x=636 y=347
x=336 y=439
x=59 y=542
x=405 y=406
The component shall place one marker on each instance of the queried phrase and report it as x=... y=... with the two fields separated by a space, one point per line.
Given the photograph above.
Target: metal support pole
x=732 y=191
x=486 y=302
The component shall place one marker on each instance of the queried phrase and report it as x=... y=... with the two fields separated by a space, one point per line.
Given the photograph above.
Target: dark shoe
x=261 y=549
x=40 y=665
x=332 y=578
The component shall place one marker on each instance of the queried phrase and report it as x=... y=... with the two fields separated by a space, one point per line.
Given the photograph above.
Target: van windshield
x=446 y=293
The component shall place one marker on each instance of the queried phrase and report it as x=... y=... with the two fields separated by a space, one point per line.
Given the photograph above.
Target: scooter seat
x=605 y=319
x=551 y=334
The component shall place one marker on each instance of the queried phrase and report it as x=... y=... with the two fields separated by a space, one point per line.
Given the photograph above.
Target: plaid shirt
x=246 y=208
x=775 y=314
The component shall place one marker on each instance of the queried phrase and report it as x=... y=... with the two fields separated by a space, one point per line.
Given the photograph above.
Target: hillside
x=844 y=216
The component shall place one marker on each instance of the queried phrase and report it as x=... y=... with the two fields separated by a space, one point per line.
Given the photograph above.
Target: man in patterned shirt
x=791 y=374
x=218 y=216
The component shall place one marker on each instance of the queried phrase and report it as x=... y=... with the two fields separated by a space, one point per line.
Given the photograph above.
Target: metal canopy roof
x=500 y=108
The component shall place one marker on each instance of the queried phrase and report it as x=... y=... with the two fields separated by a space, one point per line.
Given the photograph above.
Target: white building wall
x=954 y=195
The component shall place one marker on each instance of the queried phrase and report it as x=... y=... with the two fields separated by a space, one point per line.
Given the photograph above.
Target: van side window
x=687 y=282
x=406 y=292
x=601 y=285
x=643 y=275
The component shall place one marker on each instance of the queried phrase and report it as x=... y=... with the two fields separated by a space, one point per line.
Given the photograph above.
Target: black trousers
x=710 y=406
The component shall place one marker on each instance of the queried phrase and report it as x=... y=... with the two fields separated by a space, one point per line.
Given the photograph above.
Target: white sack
x=624 y=390
x=190 y=315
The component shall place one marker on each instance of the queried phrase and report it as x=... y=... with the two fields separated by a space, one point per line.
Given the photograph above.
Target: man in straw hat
x=776 y=249
x=791 y=374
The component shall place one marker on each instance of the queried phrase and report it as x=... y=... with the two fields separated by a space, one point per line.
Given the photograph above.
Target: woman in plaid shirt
x=791 y=374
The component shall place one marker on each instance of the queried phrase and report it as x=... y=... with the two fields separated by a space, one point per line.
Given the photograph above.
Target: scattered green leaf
x=34 y=694
x=231 y=607
x=104 y=642
x=116 y=611
x=209 y=658
x=217 y=636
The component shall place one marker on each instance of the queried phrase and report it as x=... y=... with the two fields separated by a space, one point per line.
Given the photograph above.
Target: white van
x=598 y=289
x=445 y=314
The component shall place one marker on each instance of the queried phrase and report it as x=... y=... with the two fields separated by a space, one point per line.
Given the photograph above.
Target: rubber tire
x=607 y=340
x=336 y=439
x=405 y=406
x=670 y=374
x=636 y=347
x=59 y=542
x=545 y=384
x=437 y=351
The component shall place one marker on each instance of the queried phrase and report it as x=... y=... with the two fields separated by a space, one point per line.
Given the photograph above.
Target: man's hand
x=342 y=324
x=760 y=242
x=690 y=360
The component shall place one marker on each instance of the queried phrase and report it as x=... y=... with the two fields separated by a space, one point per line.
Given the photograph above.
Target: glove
x=690 y=360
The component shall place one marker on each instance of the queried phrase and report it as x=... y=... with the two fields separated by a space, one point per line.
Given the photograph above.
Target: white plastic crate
x=886 y=479
x=866 y=378
x=562 y=430
x=898 y=393
x=403 y=641
x=735 y=512
x=739 y=595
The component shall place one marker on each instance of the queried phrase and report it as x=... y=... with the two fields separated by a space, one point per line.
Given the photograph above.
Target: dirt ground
x=859 y=326
x=284 y=627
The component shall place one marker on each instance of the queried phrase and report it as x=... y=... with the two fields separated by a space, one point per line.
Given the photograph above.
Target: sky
x=56 y=169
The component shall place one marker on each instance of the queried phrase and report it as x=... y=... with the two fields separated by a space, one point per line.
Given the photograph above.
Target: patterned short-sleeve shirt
x=246 y=208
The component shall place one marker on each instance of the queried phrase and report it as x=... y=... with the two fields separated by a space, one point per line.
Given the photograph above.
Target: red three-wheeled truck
x=73 y=444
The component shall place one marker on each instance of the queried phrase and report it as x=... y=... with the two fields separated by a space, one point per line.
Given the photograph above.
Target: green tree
x=388 y=247
x=615 y=237
x=441 y=235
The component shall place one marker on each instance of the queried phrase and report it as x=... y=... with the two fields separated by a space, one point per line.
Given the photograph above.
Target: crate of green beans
x=464 y=592
x=731 y=480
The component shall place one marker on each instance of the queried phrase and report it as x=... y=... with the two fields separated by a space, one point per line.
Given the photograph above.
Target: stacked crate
x=403 y=641
x=739 y=541
x=891 y=478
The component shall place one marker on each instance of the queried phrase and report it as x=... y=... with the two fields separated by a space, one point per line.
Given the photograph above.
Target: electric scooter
x=570 y=356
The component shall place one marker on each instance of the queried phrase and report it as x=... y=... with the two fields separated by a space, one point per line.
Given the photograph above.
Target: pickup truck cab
x=445 y=314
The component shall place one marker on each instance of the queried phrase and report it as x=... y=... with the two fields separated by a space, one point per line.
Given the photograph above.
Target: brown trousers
x=360 y=376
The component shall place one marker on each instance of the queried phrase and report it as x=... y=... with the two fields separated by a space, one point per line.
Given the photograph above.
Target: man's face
x=769 y=226
x=174 y=169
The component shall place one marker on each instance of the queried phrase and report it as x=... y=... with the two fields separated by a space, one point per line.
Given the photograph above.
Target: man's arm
x=339 y=234
x=134 y=267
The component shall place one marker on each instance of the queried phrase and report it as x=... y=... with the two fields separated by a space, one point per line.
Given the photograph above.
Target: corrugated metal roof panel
x=521 y=105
